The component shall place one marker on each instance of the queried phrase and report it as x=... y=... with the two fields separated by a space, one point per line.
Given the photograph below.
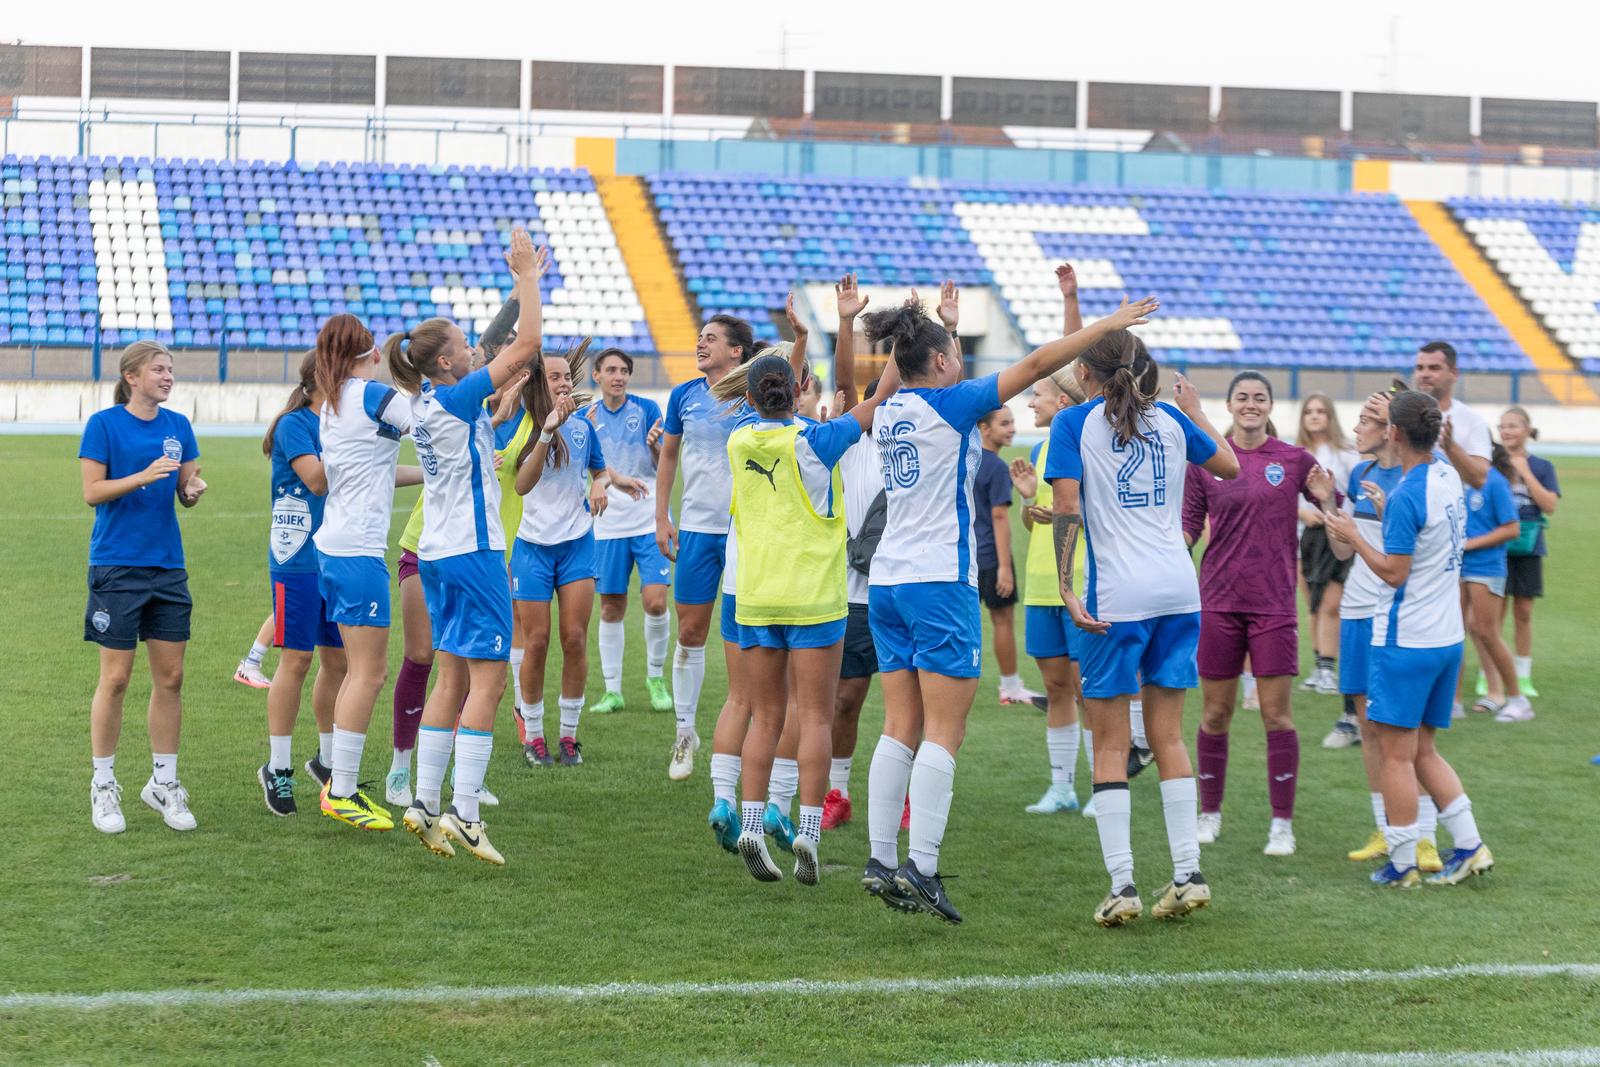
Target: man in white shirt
x=1466 y=442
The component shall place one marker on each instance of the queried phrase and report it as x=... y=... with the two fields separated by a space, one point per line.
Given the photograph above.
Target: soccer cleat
x=1391 y=877
x=1179 y=900
x=1280 y=839
x=779 y=827
x=724 y=823
x=879 y=881
x=1377 y=847
x=1120 y=907
x=1138 y=760
x=1517 y=709
x=1327 y=683
x=1209 y=827
x=1020 y=695
x=319 y=770
x=429 y=829
x=105 y=808
x=926 y=892
x=660 y=695
x=806 y=865
x=470 y=836
x=568 y=752
x=905 y=815
x=835 y=810
x=397 y=788
x=1526 y=685
x=522 y=724
x=1345 y=734
x=1463 y=864
x=1428 y=861
x=1058 y=798
x=245 y=674
x=486 y=798
x=356 y=810
x=277 y=789
x=1309 y=682
x=537 y=754
x=753 y=850
x=171 y=800
x=1041 y=702
x=681 y=765
x=609 y=703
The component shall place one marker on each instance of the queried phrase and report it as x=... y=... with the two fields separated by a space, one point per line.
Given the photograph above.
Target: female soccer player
x=462 y=555
x=924 y=604
x=554 y=551
x=991 y=530
x=1117 y=466
x=1247 y=586
x=790 y=591
x=362 y=422
x=1417 y=643
x=1322 y=436
x=1537 y=492
x=696 y=432
x=630 y=429
x=136 y=458
x=1492 y=524
x=294 y=445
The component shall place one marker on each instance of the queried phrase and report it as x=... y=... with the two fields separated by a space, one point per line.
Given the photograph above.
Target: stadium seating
x=1550 y=253
x=1260 y=278
x=259 y=254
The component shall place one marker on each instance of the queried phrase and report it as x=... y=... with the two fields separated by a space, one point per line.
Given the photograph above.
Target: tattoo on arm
x=1065 y=529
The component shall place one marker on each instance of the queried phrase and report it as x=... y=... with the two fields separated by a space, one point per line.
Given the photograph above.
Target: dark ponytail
x=914 y=339
x=771 y=386
x=1417 y=417
x=1500 y=460
x=299 y=398
x=1127 y=374
x=414 y=355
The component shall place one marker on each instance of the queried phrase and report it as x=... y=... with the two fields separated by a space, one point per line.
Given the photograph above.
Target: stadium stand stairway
x=661 y=294
x=1553 y=363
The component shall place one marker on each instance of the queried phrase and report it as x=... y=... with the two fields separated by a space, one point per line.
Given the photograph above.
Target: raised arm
x=949 y=310
x=851 y=302
x=1052 y=356
x=1223 y=463
x=527 y=265
x=532 y=469
x=797 y=354
x=1474 y=470
x=1072 y=316
x=888 y=383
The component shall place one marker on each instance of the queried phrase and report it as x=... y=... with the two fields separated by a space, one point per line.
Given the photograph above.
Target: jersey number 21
x=1137 y=450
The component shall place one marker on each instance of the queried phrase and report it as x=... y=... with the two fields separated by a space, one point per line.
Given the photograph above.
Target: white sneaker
x=1517 y=709
x=246 y=674
x=1088 y=809
x=397 y=788
x=105 y=805
x=1208 y=827
x=683 y=749
x=171 y=800
x=1345 y=734
x=1280 y=839
x=1327 y=683
x=486 y=798
x=1309 y=682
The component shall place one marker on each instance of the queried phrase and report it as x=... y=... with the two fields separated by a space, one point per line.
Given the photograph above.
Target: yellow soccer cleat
x=470 y=836
x=1428 y=859
x=428 y=830
x=1377 y=847
x=1120 y=907
x=357 y=810
x=1179 y=900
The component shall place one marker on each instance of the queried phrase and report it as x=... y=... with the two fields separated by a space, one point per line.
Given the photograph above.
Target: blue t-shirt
x=296 y=510
x=1544 y=472
x=991 y=490
x=138 y=529
x=1487 y=508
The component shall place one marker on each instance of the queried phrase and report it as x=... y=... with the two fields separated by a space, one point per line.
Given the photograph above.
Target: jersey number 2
x=1137 y=449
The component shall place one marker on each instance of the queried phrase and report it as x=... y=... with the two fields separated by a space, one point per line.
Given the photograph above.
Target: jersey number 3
x=1138 y=449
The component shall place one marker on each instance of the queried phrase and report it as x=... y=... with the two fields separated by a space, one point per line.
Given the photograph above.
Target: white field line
x=1567 y=1057
x=233 y=998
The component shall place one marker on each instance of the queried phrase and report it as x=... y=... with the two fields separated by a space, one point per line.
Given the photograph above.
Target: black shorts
x=860 y=654
x=986 y=592
x=1319 y=565
x=1525 y=576
x=132 y=604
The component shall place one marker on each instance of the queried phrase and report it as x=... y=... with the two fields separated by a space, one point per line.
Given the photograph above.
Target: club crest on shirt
x=101 y=620
x=633 y=422
x=579 y=434
x=1274 y=474
x=172 y=448
x=1474 y=500
x=291 y=527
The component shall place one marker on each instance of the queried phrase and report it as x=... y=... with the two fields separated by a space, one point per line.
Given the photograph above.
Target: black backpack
x=864 y=545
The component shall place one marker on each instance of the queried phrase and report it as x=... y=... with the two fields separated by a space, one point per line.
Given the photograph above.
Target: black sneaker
x=926 y=892
x=537 y=754
x=569 y=752
x=322 y=773
x=878 y=880
x=277 y=787
x=1138 y=760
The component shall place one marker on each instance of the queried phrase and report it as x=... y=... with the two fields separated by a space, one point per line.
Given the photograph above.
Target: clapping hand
x=1024 y=477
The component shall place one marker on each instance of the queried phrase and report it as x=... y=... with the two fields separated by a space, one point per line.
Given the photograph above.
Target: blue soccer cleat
x=724 y=822
x=1392 y=878
x=1463 y=864
x=779 y=827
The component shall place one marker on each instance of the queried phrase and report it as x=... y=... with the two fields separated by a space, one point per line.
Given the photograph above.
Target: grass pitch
x=613 y=877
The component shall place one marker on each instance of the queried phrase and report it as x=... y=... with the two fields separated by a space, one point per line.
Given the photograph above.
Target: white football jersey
x=1362 y=588
x=624 y=436
x=1131 y=499
x=702 y=424
x=360 y=450
x=455 y=448
x=928 y=448
x=862 y=471
x=556 y=509
x=1424 y=518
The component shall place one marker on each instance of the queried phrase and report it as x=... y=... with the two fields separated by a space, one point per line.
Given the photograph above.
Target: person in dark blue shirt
x=991 y=537
x=1536 y=492
x=137 y=458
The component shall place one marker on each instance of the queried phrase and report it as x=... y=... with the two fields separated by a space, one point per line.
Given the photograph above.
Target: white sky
x=1532 y=48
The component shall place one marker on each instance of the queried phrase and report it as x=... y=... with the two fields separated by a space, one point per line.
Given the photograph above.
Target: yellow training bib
x=1041 y=581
